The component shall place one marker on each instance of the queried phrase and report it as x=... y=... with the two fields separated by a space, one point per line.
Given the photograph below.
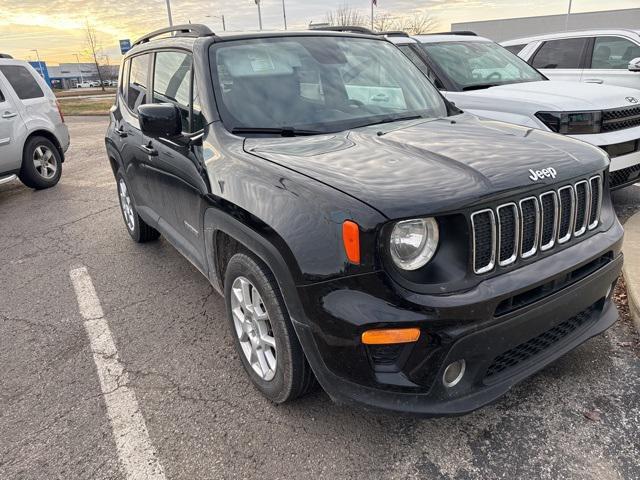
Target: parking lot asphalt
x=577 y=419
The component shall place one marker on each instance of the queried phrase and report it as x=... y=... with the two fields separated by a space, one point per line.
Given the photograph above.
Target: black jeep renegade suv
x=363 y=231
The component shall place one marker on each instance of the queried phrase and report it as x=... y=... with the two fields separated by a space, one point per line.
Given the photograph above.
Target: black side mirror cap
x=160 y=120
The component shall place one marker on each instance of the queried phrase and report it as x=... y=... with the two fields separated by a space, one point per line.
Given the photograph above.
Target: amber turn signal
x=389 y=336
x=351 y=240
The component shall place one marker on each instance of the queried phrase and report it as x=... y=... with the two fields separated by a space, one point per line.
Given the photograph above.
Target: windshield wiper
x=391 y=119
x=284 y=131
x=480 y=86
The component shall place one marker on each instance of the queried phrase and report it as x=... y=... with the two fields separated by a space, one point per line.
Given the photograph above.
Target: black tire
x=293 y=376
x=138 y=229
x=29 y=174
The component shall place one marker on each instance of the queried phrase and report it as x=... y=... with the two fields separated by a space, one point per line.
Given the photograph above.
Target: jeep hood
x=551 y=95
x=431 y=166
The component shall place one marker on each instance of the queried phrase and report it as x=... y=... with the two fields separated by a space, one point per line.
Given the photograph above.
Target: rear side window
x=566 y=53
x=22 y=81
x=1 y=97
x=124 y=78
x=516 y=49
x=613 y=53
x=138 y=82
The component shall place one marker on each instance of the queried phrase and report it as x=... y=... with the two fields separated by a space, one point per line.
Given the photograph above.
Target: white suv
x=33 y=135
x=483 y=78
x=611 y=57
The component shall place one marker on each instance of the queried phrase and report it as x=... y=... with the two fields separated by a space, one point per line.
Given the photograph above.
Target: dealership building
x=506 y=29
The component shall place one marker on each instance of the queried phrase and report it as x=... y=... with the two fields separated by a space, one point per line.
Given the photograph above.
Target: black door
x=174 y=170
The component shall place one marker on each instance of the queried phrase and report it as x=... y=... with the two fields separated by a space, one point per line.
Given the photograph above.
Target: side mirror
x=160 y=120
x=634 y=65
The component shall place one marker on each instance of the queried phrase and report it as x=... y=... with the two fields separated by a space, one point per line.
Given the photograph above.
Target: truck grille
x=536 y=223
x=620 y=178
x=620 y=118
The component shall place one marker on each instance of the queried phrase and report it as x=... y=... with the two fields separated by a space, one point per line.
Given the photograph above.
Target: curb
x=631 y=267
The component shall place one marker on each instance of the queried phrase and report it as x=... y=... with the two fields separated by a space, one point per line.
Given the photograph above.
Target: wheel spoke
x=268 y=340
x=246 y=294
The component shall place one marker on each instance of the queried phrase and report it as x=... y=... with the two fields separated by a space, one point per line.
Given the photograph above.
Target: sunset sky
x=55 y=27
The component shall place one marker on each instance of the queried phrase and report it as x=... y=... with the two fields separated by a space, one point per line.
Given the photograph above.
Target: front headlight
x=572 y=123
x=414 y=242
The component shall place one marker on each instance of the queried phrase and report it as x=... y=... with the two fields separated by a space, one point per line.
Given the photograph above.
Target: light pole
x=79 y=67
x=566 y=25
x=259 y=13
x=284 y=15
x=39 y=63
x=221 y=17
x=169 y=13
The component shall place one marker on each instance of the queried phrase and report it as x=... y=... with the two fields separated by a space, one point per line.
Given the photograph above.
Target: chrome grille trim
x=494 y=230
x=489 y=266
x=532 y=251
x=516 y=234
x=598 y=183
x=556 y=215
x=586 y=208
x=572 y=214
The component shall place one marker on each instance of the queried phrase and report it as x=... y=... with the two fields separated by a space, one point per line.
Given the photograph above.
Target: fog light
x=453 y=373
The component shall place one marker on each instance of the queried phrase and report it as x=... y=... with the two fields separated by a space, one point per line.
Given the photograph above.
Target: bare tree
x=421 y=23
x=412 y=24
x=345 y=16
x=94 y=48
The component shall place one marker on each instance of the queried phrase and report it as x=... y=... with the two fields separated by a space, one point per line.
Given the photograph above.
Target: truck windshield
x=317 y=84
x=477 y=65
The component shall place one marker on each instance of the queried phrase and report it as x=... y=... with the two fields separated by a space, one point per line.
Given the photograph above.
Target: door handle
x=594 y=80
x=8 y=114
x=149 y=150
x=120 y=133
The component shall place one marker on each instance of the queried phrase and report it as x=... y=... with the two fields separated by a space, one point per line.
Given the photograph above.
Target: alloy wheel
x=253 y=327
x=125 y=204
x=45 y=162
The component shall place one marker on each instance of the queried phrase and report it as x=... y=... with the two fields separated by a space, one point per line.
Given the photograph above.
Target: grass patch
x=82 y=92
x=86 y=106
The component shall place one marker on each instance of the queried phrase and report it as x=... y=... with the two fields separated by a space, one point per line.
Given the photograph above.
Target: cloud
x=56 y=27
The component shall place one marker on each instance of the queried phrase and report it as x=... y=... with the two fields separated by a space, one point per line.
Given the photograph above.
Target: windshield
x=474 y=65
x=317 y=84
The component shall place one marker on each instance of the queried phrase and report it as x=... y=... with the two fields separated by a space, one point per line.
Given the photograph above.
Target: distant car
x=88 y=84
x=483 y=78
x=611 y=57
x=33 y=135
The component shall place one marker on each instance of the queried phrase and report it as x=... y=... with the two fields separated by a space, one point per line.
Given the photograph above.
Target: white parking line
x=137 y=455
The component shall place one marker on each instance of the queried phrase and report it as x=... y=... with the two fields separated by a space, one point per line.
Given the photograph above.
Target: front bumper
x=499 y=351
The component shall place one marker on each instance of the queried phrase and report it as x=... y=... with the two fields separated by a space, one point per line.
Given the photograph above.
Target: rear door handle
x=594 y=80
x=149 y=150
x=8 y=114
x=120 y=133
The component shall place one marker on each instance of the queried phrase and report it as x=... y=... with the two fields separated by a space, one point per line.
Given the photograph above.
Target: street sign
x=125 y=46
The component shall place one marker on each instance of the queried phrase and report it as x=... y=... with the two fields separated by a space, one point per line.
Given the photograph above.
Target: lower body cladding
x=473 y=346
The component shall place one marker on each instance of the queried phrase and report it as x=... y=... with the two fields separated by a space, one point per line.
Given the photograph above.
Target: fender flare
x=216 y=220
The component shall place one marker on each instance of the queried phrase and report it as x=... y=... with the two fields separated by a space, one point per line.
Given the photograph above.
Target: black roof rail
x=5 y=55
x=466 y=33
x=394 y=33
x=345 y=28
x=186 y=30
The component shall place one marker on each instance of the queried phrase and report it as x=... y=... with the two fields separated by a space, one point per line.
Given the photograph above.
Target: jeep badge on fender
x=366 y=234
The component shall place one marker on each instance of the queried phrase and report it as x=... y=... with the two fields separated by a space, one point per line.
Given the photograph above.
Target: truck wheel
x=262 y=331
x=41 y=164
x=136 y=226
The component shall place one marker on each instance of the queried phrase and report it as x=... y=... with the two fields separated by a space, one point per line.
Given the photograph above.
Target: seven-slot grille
x=536 y=223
